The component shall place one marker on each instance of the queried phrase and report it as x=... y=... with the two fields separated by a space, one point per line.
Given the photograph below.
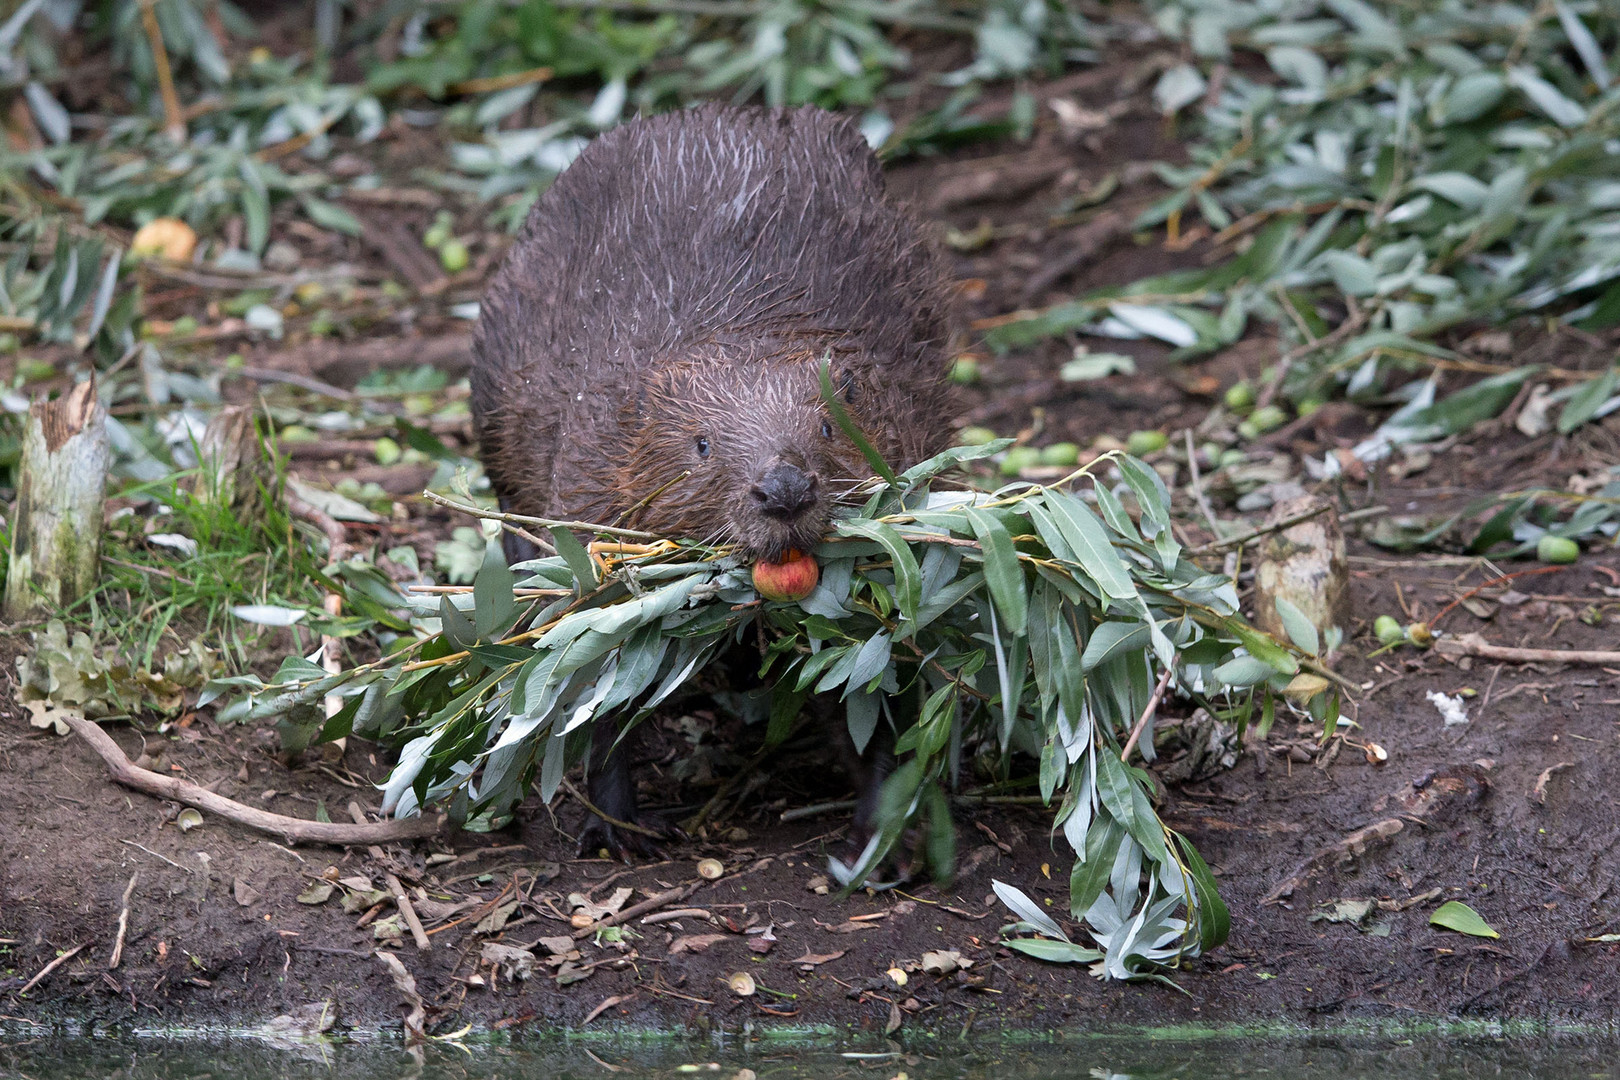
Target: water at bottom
x=1059 y=1056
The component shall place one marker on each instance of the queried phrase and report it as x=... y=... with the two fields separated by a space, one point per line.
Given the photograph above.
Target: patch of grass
x=155 y=596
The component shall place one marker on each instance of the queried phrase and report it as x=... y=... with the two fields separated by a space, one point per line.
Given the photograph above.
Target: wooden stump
x=56 y=532
x=230 y=462
x=1303 y=564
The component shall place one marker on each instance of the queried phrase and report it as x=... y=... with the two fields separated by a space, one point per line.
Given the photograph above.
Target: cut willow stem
x=1254 y=534
x=295 y=830
x=628 y=826
x=174 y=120
x=548 y=523
x=50 y=967
x=62 y=481
x=1147 y=714
x=396 y=890
x=652 y=903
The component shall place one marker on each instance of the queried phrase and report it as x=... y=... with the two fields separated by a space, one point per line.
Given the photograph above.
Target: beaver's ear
x=848 y=386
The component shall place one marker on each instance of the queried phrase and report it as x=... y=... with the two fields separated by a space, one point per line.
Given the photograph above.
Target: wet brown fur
x=681 y=281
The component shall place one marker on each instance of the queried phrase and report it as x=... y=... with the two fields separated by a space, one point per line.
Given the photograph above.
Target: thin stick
x=548 y=523
x=155 y=855
x=628 y=826
x=294 y=830
x=155 y=571
x=1344 y=330
x=680 y=892
x=1493 y=581
x=123 y=923
x=174 y=121
x=500 y=82
x=1147 y=713
x=1473 y=645
x=800 y=812
x=1254 y=534
x=407 y=910
x=1198 y=486
x=50 y=967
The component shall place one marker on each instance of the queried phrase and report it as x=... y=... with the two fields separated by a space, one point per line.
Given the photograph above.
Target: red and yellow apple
x=794 y=578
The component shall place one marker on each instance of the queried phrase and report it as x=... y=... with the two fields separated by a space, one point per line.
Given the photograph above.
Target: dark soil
x=1514 y=812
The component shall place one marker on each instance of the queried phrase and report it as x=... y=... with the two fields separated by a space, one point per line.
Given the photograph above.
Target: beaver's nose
x=785 y=491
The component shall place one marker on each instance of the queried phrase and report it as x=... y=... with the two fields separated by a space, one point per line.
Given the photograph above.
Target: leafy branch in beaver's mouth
x=972 y=623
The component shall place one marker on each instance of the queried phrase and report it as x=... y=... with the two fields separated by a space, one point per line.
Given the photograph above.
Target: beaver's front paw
x=647 y=840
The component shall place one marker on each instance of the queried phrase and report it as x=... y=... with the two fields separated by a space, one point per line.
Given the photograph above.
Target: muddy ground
x=1513 y=812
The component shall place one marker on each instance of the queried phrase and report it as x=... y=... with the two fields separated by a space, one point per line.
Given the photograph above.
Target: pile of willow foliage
x=1046 y=620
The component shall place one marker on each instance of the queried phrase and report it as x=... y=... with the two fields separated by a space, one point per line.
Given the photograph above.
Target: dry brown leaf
x=694 y=943
x=811 y=960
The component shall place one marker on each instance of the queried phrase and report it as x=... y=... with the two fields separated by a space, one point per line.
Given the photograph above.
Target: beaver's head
x=740 y=449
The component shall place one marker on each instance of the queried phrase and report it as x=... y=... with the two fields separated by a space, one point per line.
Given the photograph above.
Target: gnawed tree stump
x=56 y=533
x=1303 y=564
x=231 y=464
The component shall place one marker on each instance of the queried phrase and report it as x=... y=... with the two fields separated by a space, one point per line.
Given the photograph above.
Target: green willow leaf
x=1056 y=952
x=907 y=575
x=1215 y=921
x=1455 y=915
x=829 y=397
x=1586 y=402
x=1001 y=568
x=1088 y=539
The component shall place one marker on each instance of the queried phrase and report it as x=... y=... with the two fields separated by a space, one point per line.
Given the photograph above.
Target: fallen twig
x=407 y=910
x=405 y=983
x=293 y=830
x=493 y=83
x=1265 y=530
x=1198 y=486
x=174 y=123
x=1343 y=331
x=123 y=924
x=628 y=826
x=50 y=967
x=800 y=812
x=677 y=913
x=1499 y=580
x=1474 y=645
x=653 y=903
x=155 y=855
x=1147 y=714
x=606 y=1004
x=1340 y=851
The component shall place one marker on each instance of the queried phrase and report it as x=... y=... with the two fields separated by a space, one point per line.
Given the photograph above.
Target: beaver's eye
x=826 y=430
x=702 y=447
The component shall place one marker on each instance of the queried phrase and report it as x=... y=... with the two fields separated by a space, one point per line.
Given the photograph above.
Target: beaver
x=649 y=351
